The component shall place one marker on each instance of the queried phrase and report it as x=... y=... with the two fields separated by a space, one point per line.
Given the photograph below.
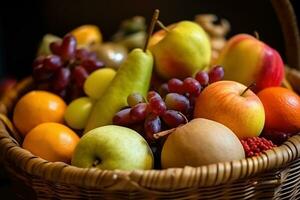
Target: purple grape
x=62 y=94
x=138 y=112
x=79 y=74
x=157 y=105
x=68 y=47
x=163 y=90
x=134 y=99
x=277 y=137
x=216 y=74
x=122 y=118
x=55 y=47
x=192 y=86
x=38 y=61
x=92 y=65
x=61 y=79
x=175 y=85
x=92 y=55
x=52 y=63
x=39 y=73
x=177 y=102
x=74 y=92
x=202 y=78
x=173 y=118
x=82 y=54
x=152 y=94
x=152 y=125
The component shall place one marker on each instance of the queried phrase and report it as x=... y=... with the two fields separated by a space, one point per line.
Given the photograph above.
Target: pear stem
x=248 y=88
x=256 y=34
x=151 y=28
x=162 y=26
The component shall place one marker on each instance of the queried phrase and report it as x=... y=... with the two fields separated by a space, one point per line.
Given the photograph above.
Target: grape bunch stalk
x=64 y=71
x=170 y=108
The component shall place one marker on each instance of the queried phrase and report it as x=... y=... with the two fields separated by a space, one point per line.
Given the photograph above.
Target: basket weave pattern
x=273 y=175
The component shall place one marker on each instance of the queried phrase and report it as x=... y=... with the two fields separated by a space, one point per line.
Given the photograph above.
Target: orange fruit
x=37 y=107
x=51 y=141
x=282 y=109
x=87 y=35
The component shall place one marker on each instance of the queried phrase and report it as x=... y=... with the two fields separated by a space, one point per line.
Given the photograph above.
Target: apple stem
x=162 y=26
x=248 y=88
x=256 y=34
x=151 y=28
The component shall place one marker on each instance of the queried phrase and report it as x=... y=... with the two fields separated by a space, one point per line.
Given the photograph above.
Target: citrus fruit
x=87 y=35
x=37 y=107
x=51 y=141
x=282 y=109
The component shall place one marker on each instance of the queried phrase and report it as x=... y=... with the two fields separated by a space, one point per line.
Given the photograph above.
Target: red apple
x=246 y=60
x=229 y=103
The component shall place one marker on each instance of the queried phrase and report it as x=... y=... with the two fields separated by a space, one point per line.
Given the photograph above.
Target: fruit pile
x=161 y=105
x=171 y=107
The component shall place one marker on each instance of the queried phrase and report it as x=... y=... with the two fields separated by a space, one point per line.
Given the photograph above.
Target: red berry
x=253 y=146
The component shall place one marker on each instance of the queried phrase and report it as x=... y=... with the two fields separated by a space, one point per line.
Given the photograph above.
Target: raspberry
x=253 y=146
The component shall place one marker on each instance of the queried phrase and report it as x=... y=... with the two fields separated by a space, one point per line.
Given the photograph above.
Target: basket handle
x=288 y=22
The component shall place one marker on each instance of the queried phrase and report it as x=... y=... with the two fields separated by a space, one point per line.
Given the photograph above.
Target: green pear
x=180 y=50
x=133 y=76
x=113 y=147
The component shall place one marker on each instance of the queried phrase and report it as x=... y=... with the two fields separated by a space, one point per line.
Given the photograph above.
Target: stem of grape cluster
x=248 y=88
x=151 y=28
x=163 y=133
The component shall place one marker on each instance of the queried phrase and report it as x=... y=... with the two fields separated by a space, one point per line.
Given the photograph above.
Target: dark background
x=23 y=24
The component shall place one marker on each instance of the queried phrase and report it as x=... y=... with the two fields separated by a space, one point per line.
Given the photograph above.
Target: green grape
x=98 y=81
x=78 y=111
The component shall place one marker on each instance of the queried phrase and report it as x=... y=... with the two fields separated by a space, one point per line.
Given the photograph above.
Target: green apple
x=113 y=147
x=181 y=50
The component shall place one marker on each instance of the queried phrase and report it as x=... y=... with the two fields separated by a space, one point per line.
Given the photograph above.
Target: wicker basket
x=274 y=174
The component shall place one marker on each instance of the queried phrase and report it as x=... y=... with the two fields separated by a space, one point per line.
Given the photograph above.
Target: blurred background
x=24 y=23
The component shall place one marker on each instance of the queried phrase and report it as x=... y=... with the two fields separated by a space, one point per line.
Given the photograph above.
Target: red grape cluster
x=65 y=70
x=169 y=109
x=190 y=87
x=153 y=114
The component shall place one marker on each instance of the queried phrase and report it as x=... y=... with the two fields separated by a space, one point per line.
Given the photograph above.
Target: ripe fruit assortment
x=173 y=107
x=192 y=117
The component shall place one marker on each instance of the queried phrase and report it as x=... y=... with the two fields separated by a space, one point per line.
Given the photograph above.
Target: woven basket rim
x=172 y=178
x=155 y=179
